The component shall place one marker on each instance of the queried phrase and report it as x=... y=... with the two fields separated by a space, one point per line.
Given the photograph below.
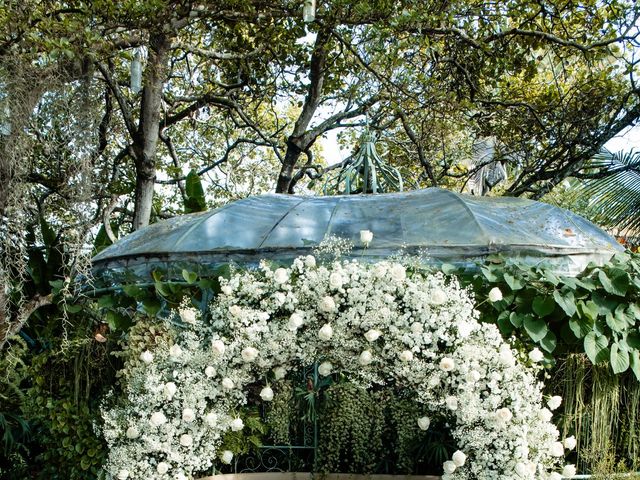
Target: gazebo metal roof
x=440 y=225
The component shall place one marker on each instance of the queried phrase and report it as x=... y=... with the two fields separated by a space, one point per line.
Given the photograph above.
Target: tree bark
x=145 y=142
x=297 y=142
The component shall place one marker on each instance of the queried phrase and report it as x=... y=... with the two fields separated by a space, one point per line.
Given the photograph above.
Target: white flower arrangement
x=417 y=331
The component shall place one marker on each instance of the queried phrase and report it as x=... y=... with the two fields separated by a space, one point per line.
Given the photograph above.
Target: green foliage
x=250 y=437
x=62 y=405
x=280 y=414
x=597 y=312
x=195 y=200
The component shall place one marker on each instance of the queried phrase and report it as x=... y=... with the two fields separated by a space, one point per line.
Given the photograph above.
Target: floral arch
x=378 y=324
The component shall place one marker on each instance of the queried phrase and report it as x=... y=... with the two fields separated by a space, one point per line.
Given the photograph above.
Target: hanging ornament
x=136 y=73
x=309 y=11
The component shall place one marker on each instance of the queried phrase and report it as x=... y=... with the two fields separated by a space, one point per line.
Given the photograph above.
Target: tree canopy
x=239 y=93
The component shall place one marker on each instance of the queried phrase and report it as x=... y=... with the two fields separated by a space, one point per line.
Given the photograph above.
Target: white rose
x=556 y=449
x=186 y=440
x=226 y=457
x=146 y=357
x=188 y=415
x=295 y=321
x=545 y=415
x=521 y=469
x=279 y=372
x=249 y=354
x=366 y=236
x=423 y=423
x=447 y=364
x=123 y=474
x=226 y=289
x=310 y=261
x=531 y=467
x=266 y=394
x=417 y=328
x=325 y=332
x=188 y=315
x=504 y=415
x=180 y=476
x=169 y=390
x=227 y=383
x=438 y=297
x=459 y=458
x=569 y=471
x=570 y=442
x=372 y=335
x=217 y=346
x=380 y=270
x=554 y=402
x=495 y=295
x=335 y=280
x=132 y=432
x=211 y=419
x=175 y=351
x=473 y=376
x=210 y=371
x=157 y=419
x=555 y=476
x=536 y=355
x=327 y=304
x=281 y=275
x=451 y=402
x=449 y=466
x=162 y=468
x=398 y=272
x=406 y=355
x=236 y=424
x=365 y=358
x=325 y=369
x=506 y=358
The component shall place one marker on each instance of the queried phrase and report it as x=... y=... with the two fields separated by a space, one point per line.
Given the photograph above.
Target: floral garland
x=378 y=324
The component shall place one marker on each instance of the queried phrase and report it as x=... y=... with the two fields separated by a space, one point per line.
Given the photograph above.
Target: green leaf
x=117 y=321
x=505 y=325
x=152 y=306
x=566 y=301
x=513 y=282
x=635 y=363
x=189 y=277
x=595 y=346
x=448 y=269
x=195 y=200
x=48 y=235
x=543 y=305
x=618 y=320
x=580 y=326
x=133 y=291
x=619 y=359
x=605 y=305
x=588 y=309
x=516 y=319
x=616 y=282
x=549 y=342
x=535 y=327
x=489 y=273
x=633 y=340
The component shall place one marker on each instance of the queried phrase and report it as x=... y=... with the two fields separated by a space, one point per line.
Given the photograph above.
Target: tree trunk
x=145 y=143
x=297 y=141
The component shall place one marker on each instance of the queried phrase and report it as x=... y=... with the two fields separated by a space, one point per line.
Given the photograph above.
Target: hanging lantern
x=309 y=11
x=136 y=73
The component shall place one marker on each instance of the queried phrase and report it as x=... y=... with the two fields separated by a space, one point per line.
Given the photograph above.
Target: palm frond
x=612 y=183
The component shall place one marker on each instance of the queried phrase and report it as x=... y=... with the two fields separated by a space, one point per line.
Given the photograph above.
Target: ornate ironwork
x=300 y=454
x=365 y=173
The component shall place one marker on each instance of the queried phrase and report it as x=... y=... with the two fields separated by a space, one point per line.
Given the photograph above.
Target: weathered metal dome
x=440 y=225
